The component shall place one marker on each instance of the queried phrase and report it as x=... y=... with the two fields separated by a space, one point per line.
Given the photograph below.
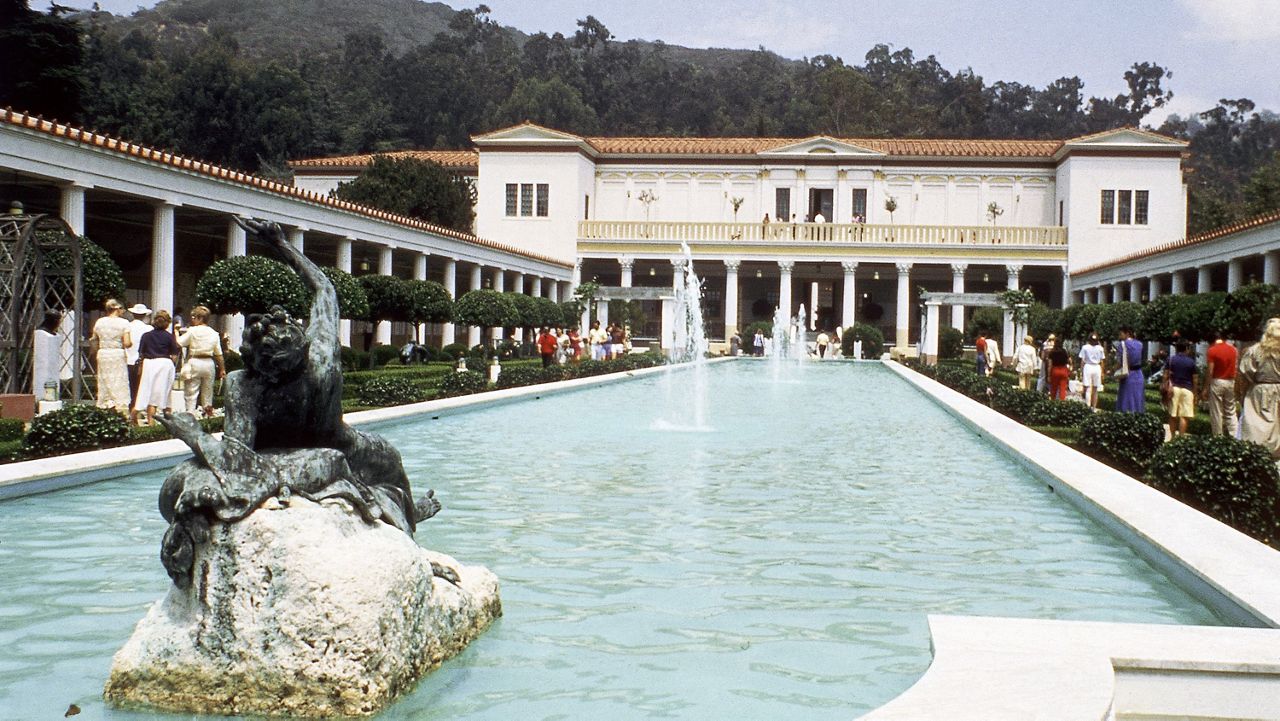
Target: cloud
x=1233 y=20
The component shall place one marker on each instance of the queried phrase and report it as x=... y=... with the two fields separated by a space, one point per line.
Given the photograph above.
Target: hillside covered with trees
x=251 y=85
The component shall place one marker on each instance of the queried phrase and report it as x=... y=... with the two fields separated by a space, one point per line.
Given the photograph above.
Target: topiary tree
x=1086 y=322
x=100 y=276
x=1066 y=322
x=551 y=313
x=988 y=320
x=486 y=309
x=1195 y=317
x=251 y=284
x=1113 y=317
x=571 y=312
x=870 y=336
x=527 y=307
x=1042 y=320
x=390 y=298
x=1246 y=310
x=1159 y=317
x=1233 y=481
x=950 y=342
x=429 y=302
x=353 y=304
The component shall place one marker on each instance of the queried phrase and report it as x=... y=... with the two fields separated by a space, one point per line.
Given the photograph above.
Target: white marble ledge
x=998 y=669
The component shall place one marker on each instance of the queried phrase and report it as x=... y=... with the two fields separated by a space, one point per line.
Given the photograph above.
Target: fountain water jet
x=686 y=391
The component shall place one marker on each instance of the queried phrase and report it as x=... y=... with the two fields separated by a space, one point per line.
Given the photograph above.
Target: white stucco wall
x=568 y=177
x=322 y=184
x=1081 y=180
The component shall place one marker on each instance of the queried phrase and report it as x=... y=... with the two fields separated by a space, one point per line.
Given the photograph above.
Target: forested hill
x=253 y=83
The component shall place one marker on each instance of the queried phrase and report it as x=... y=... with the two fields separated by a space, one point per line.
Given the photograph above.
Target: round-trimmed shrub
x=519 y=376
x=1124 y=441
x=454 y=351
x=390 y=298
x=1015 y=402
x=1057 y=413
x=871 y=337
x=1247 y=309
x=950 y=342
x=251 y=284
x=486 y=309
x=429 y=302
x=380 y=355
x=74 y=428
x=1233 y=481
x=352 y=359
x=461 y=384
x=388 y=391
x=353 y=304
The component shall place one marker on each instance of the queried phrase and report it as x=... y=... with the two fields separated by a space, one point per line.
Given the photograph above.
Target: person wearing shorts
x=1092 y=357
x=1182 y=404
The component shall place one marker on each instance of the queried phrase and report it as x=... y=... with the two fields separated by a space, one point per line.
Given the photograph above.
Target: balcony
x=818 y=234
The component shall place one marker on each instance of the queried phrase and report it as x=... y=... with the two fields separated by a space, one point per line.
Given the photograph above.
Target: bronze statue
x=283 y=431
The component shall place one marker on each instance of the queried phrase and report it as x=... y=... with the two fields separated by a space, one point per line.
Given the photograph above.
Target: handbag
x=1123 y=371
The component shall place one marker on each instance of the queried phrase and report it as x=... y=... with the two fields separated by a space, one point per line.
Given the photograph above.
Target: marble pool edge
x=42 y=475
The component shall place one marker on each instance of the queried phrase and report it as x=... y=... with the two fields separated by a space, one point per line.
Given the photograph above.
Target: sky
x=1214 y=48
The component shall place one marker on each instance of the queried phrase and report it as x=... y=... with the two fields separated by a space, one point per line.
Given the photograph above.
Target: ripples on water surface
x=779 y=566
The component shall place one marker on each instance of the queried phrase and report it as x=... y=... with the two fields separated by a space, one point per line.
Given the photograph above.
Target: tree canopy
x=486 y=309
x=416 y=188
x=251 y=284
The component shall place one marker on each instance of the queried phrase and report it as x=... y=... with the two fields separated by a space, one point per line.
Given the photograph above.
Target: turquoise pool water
x=778 y=566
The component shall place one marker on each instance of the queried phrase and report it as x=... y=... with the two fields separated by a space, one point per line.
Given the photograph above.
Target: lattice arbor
x=40 y=274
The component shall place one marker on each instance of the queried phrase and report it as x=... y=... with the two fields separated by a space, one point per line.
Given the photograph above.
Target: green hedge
x=1124 y=441
x=389 y=391
x=1060 y=413
x=871 y=337
x=1233 y=481
x=461 y=384
x=74 y=428
x=12 y=429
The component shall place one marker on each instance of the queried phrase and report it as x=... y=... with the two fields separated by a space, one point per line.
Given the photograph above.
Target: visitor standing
x=1130 y=398
x=547 y=345
x=1042 y=381
x=575 y=345
x=204 y=362
x=980 y=353
x=158 y=351
x=1182 y=403
x=1059 y=372
x=823 y=341
x=1025 y=362
x=112 y=338
x=993 y=355
x=139 y=326
x=1092 y=362
x=1258 y=381
x=618 y=338
x=1220 y=390
x=757 y=343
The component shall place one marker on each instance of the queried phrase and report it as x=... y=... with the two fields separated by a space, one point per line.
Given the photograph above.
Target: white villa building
x=785 y=221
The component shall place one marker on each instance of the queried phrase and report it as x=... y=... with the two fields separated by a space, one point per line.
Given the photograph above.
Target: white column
x=784 y=285
x=1176 y=283
x=1204 y=280
x=731 y=266
x=1153 y=287
x=162 y=252
x=849 y=301
x=627 y=263
x=344 y=264
x=931 y=332
x=1119 y=291
x=383 y=335
x=564 y=291
x=477 y=280
x=677 y=272
x=1014 y=274
x=536 y=290
x=1067 y=292
x=296 y=238
x=957 y=286
x=447 y=330
x=902 y=325
x=1135 y=292
x=500 y=285
x=71 y=207
x=1235 y=274
x=233 y=324
x=1271 y=267
x=420 y=273
x=517 y=282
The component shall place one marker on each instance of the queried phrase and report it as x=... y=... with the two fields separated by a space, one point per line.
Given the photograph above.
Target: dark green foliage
x=251 y=284
x=42 y=56
x=1043 y=320
x=415 y=188
x=1086 y=322
x=950 y=342
x=521 y=376
x=353 y=304
x=509 y=349
x=1159 y=317
x=11 y=429
x=554 y=373
x=1194 y=317
x=1015 y=402
x=352 y=359
x=380 y=355
x=527 y=308
x=1114 y=316
x=1065 y=327
x=74 y=428
x=766 y=328
x=570 y=313
x=429 y=302
x=1246 y=309
x=460 y=384
x=390 y=298
x=100 y=275
x=388 y=391
x=231 y=359
x=454 y=351
x=1058 y=413
x=1124 y=441
x=986 y=320
x=1234 y=481
x=871 y=337
x=552 y=314
x=480 y=363
x=486 y=309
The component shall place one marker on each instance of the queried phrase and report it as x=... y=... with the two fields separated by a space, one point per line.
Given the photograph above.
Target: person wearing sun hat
x=140 y=324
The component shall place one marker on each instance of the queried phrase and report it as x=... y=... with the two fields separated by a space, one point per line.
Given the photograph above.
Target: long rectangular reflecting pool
x=778 y=564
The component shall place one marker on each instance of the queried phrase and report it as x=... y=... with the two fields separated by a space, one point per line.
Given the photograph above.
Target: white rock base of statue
x=302 y=610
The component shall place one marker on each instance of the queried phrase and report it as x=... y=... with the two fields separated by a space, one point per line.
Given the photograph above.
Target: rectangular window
x=1140 y=200
x=543 y=201
x=513 y=192
x=782 y=205
x=526 y=199
x=1124 y=211
x=859 y=205
x=1108 y=207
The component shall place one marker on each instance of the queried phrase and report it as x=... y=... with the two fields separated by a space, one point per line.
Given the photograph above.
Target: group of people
x=612 y=341
x=1240 y=389
x=138 y=360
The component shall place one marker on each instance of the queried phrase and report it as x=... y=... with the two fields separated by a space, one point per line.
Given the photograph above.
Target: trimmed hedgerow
x=1058 y=413
x=461 y=383
x=1233 y=481
x=74 y=428
x=12 y=429
x=389 y=391
x=1124 y=441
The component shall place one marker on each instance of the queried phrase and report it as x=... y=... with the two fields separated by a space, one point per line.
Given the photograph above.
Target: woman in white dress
x=111 y=336
x=1258 y=381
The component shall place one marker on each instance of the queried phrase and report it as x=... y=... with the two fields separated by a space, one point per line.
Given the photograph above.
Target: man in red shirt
x=547 y=344
x=1221 y=388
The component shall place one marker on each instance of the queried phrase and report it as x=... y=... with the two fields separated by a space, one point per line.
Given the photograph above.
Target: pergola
x=933 y=301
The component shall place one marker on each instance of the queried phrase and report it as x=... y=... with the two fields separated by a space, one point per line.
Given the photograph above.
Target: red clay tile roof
x=459 y=159
x=124 y=147
x=1230 y=229
x=897 y=147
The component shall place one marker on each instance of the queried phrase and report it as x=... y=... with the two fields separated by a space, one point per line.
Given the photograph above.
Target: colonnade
x=1147 y=286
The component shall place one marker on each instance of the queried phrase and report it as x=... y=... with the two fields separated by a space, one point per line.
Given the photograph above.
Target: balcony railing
x=660 y=231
